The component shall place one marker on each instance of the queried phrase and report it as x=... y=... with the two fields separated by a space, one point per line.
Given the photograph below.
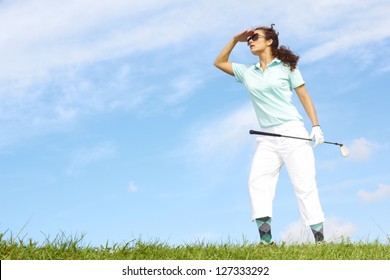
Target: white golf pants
x=297 y=156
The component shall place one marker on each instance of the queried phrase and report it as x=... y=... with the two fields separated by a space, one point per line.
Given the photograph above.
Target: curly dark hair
x=283 y=53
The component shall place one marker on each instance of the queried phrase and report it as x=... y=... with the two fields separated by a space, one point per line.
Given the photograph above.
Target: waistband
x=284 y=127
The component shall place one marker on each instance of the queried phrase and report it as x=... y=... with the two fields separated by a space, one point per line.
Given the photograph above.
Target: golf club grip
x=264 y=133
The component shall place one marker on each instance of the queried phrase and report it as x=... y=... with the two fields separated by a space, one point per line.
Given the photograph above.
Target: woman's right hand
x=222 y=61
x=243 y=36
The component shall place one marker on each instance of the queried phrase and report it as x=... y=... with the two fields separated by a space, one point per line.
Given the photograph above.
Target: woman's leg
x=300 y=164
x=263 y=177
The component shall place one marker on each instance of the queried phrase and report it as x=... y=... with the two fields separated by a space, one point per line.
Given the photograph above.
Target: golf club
x=344 y=150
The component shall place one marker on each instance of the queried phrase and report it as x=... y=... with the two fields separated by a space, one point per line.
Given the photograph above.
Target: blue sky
x=115 y=123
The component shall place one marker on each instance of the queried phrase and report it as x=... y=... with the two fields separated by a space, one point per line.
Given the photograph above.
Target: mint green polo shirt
x=271 y=91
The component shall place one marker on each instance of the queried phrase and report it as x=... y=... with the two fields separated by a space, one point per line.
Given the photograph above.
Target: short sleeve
x=296 y=79
x=239 y=71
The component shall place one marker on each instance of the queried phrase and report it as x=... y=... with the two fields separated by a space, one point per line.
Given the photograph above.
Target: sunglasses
x=254 y=38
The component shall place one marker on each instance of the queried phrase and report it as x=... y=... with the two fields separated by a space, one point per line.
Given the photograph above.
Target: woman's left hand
x=317 y=135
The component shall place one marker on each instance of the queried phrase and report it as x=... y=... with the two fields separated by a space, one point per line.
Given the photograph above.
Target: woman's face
x=257 y=42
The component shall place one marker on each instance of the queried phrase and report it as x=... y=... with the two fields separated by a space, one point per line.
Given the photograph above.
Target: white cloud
x=341 y=185
x=54 y=59
x=224 y=135
x=334 y=230
x=85 y=157
x=133 y=187
x=182 y=87
x=41 y=34
x=382 y=192
x=334 y=27
x=31 y=109
x=50 y=50
x=384 y=69
x=362 y=149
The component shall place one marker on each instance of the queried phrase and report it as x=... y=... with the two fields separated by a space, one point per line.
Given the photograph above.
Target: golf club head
x=344 y=151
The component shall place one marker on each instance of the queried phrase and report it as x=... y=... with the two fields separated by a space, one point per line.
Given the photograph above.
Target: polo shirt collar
x=274 y=61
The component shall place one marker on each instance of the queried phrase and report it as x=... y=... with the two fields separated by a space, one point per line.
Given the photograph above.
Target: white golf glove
x=317 y=135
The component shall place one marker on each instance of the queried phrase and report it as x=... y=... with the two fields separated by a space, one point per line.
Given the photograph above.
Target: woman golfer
x=270 y=83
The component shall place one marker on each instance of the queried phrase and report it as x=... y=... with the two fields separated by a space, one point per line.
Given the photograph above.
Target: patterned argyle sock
x=318 y=232
x=264 y=226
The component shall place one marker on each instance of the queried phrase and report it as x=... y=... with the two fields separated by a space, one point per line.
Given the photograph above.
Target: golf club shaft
x=286 y=136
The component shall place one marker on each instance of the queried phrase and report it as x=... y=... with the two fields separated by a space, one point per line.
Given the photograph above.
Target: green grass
x=63 y=247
